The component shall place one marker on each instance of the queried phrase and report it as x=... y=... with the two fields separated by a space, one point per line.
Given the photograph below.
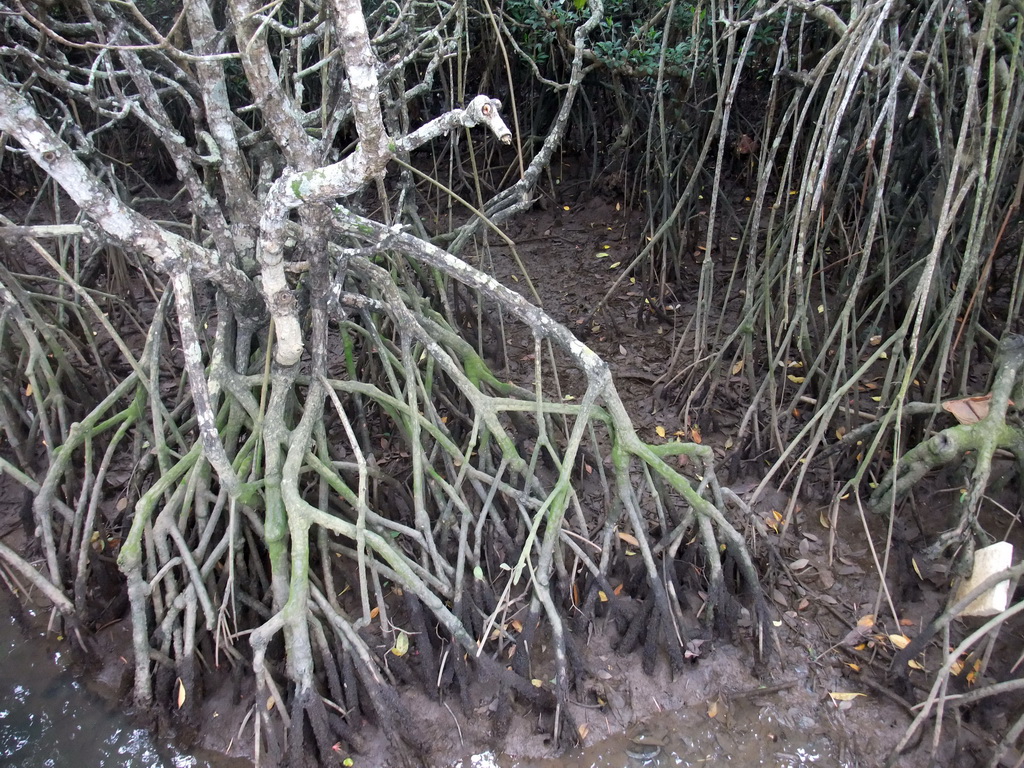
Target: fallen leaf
x=401 y=644
x=181 y=693
x=796 y=379
x=583 y=729
x=799 y=565
x=713 y=709
x=695 y=434
x=737 y=367
x=969 y=410
x=837 y=696
x=660 y=430
x=536 y=683
x=914 y=664
x=899 y=641
x=602 y=596
x=629 y=539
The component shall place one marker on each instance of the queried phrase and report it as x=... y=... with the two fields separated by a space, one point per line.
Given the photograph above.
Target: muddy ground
x=824 y=577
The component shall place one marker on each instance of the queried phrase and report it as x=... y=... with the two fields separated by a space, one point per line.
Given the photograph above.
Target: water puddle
x=48 y=719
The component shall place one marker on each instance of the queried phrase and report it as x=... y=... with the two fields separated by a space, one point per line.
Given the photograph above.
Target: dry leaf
x=969 y=410
x=181 y=693
x=695 y=434
x=536 y=683
x=799 y=565
x=837 y=697
x=899 y=641
x=602 y=596
x=583 y=729
x=913 y=664
x=713 y=709
x=737 y=367
x=629 y=539
x=859 y=633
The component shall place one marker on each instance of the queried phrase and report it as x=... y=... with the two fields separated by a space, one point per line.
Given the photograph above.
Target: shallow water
x=49 y=719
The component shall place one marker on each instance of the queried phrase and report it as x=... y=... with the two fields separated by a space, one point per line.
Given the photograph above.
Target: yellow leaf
x=583 y=729
x=631 y=540
x=615 y=265
x=28 y=390
x=840 y=432
x=401 y=644
x=660 y=430
x=866 y=621
x=566 y=208
x=737 y=367
x=836 y=696
x=602 y=596
x=777 y=515
x=917 y=568
x=536 y=683
x=914 y=664
x=824 y=520
x=713 y=709
x=796 y=379
x=181 y=693
x=854 y=667
x=600 y=255
x=899 y=641
x=270 y=703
